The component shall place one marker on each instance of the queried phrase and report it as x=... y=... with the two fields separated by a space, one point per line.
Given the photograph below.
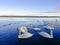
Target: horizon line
x=29 y=16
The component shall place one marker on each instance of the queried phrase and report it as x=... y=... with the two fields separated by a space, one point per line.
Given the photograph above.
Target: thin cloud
x=54 y=10
x=57 y=8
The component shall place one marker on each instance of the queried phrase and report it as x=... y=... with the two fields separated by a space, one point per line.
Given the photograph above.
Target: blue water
x=9 y=34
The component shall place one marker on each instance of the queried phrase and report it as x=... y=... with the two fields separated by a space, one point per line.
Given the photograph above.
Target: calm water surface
x=9 y=34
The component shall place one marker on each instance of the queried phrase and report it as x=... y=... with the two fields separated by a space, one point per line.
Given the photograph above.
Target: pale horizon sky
x=27 y=7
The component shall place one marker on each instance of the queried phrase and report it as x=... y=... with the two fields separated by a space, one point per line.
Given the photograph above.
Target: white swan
x=37 y=29
x=50 y=27
x=30 y=26
x=23 y=33
x=44 y=34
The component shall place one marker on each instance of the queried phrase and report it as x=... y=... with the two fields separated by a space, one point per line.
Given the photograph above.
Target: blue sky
x=24 y=7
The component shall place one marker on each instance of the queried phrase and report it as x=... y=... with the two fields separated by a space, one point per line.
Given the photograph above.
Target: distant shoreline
x=29 y=16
